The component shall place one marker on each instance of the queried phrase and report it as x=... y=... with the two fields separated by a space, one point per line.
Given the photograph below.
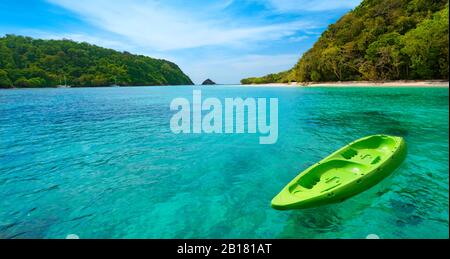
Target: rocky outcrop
x=208 y=82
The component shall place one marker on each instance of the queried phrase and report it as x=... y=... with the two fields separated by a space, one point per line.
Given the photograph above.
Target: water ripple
x=103 y=163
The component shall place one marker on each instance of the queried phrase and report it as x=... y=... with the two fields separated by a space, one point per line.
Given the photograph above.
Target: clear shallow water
x=103 y=163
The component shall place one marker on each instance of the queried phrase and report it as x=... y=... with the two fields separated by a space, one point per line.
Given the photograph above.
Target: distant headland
x=35 y=63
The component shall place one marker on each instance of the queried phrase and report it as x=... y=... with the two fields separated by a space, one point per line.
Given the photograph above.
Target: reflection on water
x=308 y=223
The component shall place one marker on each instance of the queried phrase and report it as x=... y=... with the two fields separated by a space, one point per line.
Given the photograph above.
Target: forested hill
x=378 y=40
x=27 y=62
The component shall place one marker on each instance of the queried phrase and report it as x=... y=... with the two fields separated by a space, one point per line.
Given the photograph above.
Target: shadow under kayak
x=345 y=173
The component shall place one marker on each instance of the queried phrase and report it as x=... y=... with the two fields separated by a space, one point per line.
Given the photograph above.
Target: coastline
x=341 y=84
x=395 y=83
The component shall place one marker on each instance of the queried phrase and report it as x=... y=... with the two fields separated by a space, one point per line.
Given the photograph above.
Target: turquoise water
x=103 y=163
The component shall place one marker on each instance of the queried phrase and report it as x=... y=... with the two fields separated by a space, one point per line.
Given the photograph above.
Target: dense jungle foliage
x=378 y=40
x=28 y=62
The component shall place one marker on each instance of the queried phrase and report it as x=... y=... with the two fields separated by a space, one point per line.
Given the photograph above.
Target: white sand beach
x=397 y=83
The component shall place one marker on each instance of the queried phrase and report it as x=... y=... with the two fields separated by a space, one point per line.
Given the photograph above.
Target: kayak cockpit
x=327 y=176
x=370 y=151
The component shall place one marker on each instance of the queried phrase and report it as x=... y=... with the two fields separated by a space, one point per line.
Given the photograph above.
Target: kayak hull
x=347 y=172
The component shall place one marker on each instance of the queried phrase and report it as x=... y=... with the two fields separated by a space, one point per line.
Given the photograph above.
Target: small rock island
x=208 y=82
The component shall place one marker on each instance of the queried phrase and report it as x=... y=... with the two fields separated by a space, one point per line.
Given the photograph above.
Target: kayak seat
x=370 y=157
x=328 y=175
x=375 y=142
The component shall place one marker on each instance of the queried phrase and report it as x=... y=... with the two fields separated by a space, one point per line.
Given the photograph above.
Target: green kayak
x=345 y=173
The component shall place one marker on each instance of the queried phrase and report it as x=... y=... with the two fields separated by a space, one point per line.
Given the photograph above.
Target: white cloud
x=298 y=38
x=106 y=42
x=315 y=6
x=78 y=37
x=153 y=24
x=224 y=4
x=202 y=36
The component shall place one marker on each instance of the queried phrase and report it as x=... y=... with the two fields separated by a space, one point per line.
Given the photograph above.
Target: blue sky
x=225 y=40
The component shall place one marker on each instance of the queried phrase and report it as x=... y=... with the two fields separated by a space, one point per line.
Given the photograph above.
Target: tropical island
x=208 y=82
x=28 y=62
x=376 y=42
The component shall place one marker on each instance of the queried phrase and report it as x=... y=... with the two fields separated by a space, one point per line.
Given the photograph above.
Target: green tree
x=378 y=40
x=384 y=54
x=427 y=47
x=5 y=82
